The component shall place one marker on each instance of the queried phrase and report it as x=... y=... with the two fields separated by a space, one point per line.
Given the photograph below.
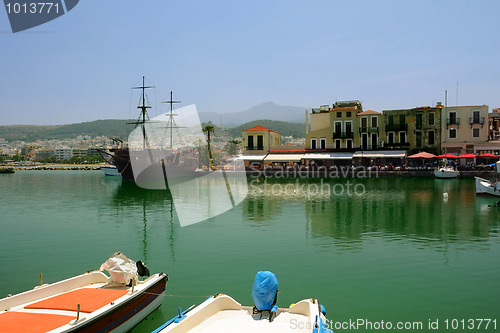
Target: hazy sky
x=227 y=56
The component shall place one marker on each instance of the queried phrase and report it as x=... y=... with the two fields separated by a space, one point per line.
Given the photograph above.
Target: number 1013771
x=470 y=324
x=32 y=8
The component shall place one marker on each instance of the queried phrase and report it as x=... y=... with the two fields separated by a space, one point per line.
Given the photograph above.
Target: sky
x=227 y=56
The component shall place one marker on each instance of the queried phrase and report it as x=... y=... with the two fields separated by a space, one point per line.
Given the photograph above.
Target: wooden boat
x=90 y=302
x=446 y=173
x=221 y=313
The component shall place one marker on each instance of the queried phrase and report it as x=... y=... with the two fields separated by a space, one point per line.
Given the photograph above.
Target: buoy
x=445 y=195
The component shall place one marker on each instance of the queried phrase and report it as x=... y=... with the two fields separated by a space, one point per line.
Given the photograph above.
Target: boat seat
x=26 y=322
x=90 y=300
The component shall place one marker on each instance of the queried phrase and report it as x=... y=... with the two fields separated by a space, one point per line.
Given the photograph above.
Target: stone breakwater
x=60 y=167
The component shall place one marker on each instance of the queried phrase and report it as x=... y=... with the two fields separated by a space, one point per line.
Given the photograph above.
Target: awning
x=250 y=157
x=328 y=156
x=284 y=157
x=381 y=154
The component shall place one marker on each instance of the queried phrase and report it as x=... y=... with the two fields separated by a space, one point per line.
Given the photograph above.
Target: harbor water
x=372 y=250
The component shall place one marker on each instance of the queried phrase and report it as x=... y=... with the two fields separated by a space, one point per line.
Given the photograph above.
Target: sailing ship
x=142 y=160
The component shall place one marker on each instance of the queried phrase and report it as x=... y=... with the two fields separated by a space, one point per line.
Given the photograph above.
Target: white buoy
x=445 y=196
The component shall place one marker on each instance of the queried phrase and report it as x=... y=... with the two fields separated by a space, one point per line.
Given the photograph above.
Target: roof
x=347 y=108
x=369 y=112
x=259 y=128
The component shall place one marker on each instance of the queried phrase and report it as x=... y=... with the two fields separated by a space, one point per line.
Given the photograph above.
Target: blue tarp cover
x=264 y=290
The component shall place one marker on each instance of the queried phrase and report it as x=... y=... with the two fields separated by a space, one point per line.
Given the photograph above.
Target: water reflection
x=422 y=209
x=153 y=204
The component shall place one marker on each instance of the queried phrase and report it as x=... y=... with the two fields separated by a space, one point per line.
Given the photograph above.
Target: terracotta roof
x=259 y=128
x=369 y=112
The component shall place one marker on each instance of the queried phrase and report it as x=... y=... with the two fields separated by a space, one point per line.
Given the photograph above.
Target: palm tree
x=209 y=129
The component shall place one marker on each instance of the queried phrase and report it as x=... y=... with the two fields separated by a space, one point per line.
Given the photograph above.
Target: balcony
x=368 y=130
x=343 y=135
x=254 y=148
x=399 y=145
x=476 y=120
x=396 y=127
x=453 y=121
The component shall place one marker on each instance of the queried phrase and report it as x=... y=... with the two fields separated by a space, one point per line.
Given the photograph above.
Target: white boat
x=221 y=313
x=110 y=170
x=446 y=172
x=486 y=187
x=91 y=302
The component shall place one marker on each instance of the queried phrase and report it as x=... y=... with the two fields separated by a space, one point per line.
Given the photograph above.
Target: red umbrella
x=447 y=156
x=466 y=156
x=422 y=155
x=488 y=155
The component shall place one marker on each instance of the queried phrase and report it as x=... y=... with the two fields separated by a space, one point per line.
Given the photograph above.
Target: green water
x=396 y=250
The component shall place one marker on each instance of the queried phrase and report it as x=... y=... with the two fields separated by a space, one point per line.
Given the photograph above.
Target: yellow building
x=259 y=139
x=335 y=127
x=464 y=128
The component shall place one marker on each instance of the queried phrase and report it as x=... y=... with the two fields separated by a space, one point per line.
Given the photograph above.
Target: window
x=418 y=139
x=250 y=142
x=432 y=119
x=260 y=142
x=453 y=133
x=339 y=114
x=364 y=123
x=402 y=137
x=431 y=137
x=475 y=133
x=475 y=117
x=337 y=144
x=374 y=140
x=452 y=118
x=418 y=121
x=348 y=128
x=390 y=138
x=349 y=144
x=402 y=119
x=374 y=121
x=348 y=114
x=322 y=143
x=313 y=143
x=390 y=120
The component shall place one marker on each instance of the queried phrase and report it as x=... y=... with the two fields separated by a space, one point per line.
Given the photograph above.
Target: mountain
x=297 y=130
x=109 y=128
x=269 y=110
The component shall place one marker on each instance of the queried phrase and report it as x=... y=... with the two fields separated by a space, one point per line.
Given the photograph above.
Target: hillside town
x=340 y=134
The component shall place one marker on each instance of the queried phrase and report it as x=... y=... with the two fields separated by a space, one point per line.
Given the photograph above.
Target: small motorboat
x=110 y=170
x=486 y=187
x=91 y=302
x=221 y=313
x=446 y=172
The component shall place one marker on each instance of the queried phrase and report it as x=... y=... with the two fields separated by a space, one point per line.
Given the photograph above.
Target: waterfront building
x=257 y=141
x=43 y=154
x=464 y=129
x=334 y=128
x=371 y=130
x=416 y=129
x=494 y=125
x=63 y=154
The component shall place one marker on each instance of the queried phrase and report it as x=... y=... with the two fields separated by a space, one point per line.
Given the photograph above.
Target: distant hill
x=297 y=130
x=109 y=128
x=267 y=110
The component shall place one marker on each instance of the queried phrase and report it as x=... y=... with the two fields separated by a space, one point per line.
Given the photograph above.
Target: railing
x=396 y=127
x=254 y=148
x=368 y=130
x=343 y=135
x=452 y=121
x=397 y=145
x=369 y=147
x=476 y=120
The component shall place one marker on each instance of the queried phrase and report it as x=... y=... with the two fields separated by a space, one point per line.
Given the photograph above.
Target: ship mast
x=171 y=116
x=144 y=112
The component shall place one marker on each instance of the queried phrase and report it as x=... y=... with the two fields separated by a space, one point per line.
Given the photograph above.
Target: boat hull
x=103 y=309
x=446 y=173
x=485 y=187
x=221 y=313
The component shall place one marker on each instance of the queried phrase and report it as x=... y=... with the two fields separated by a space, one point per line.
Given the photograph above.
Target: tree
x=210 y=128
x=232 y=147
